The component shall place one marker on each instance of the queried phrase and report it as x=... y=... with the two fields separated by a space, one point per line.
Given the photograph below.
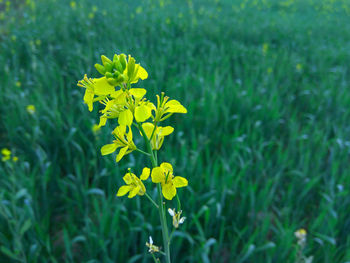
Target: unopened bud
x=122 y=59
x=131 y=67
x=105 y=60
x=101 y=69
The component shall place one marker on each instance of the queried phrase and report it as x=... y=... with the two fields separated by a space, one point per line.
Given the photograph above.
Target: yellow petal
x=142 y=113
x=89 y=98
x=164 y=131
x=102 y=87
x=142 y=73
x=158 y=175
x=128 y=178
x=148 y=128
x=169 y=191
x=134 y=191
x=167 y=167
x=129 y=135
x=145 y=174
x=123 y=190
x=179 y=181
x=137 y=93
x=125 y=118
x=121 y=153
x=103 y=121
x=175 y=106
x=108 y=148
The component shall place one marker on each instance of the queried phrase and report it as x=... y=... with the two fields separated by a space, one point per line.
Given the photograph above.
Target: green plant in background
x=134 y=111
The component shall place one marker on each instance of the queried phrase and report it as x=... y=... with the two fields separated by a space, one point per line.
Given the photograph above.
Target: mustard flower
x=134 y=185
x=152 y=248
x=164 y=175
x=99 y=87
x=6 y=154
x=166 y=108
x=157 y=134
x=30 y=109
x=301 y=234
x=177 y=219
x=123 y=140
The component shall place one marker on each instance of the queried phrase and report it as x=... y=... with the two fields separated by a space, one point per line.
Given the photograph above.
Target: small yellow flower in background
x=95 y=128
x=157 y=134
x=168 y=21
x=299 y=67
x=177 y=219
x=134 y=185
x=301 y=234
x=13 y=38
x=91 y=15
x=269 y=70
x=15 y=158
x=38 y=42
x=30 y=109
x=6 y=154
x=152 y=248
x=265 y=48
x=94 y=9
x=18 y=84
x=73 y=4
x=123 y=141
x=164 y=175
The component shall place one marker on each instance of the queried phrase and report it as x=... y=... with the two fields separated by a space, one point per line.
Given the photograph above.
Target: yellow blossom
x=299 y=67
x=134 y=185
x=167 y=108
x=123 y=140
x=99 y=87
x=95 y=128
x=30 y=109
x=73 y=4
x=6 y=154
x=15 y=158
x=157 y=134
x=18 y=84
x=164 y=175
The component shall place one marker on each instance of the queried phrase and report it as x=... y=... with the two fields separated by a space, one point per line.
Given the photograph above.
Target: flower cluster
x=132 y=110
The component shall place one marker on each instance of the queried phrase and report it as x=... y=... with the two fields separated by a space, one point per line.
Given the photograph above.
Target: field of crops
x=265 y=144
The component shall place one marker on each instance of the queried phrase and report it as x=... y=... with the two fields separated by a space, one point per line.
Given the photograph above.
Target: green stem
x=137 y=149
x=150 y=198
x=161 y=209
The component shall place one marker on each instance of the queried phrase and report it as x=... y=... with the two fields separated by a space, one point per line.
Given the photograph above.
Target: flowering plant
x=134 y=111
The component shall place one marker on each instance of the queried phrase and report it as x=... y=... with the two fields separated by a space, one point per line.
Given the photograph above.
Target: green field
x=265 y=144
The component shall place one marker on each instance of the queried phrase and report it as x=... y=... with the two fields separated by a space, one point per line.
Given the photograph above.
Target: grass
x=265 y=145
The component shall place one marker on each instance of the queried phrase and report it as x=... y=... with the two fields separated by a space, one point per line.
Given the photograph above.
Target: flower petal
x=142 y=73
x=175 y=107
x=167 y=167
x=121 y=153
x=134 y=191
x=179 y=181
x=137 y=92
x=169 y=191
x=145 y=174
x=142 y=113
x=123 y=190
x=128 y=178
x=148 y=128
x=125 y=118
x=108 y=148
x=102 y=87
x=88 y=98
x=164 y=131
x=158 y=175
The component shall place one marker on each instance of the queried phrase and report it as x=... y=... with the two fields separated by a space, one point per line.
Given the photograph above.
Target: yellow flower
x=15 y=158
x=18 y=84
x=299 y=67
x=30 y=109
x=301 y=234
x=157 y=134
x=6 y=154
x=73 y=4
x=164 y=175
x=123 y=141
x=177 y=219
x=95 y=128
x=134 y=185
x=265 y=48
x=167 y=108
x=125 y=105
x=99 y=86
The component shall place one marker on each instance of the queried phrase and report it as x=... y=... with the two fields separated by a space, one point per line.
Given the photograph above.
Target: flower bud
x=122 y=59
x=131 y=67
x=118 y=66
x=105 y=60
x=101 y=69
x=112 y=81
x=109 y=75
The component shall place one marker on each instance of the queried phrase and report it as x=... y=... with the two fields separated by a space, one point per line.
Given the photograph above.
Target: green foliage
x=265 y=144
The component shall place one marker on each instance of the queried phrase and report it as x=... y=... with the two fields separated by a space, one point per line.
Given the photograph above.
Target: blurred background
x=265 y=144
